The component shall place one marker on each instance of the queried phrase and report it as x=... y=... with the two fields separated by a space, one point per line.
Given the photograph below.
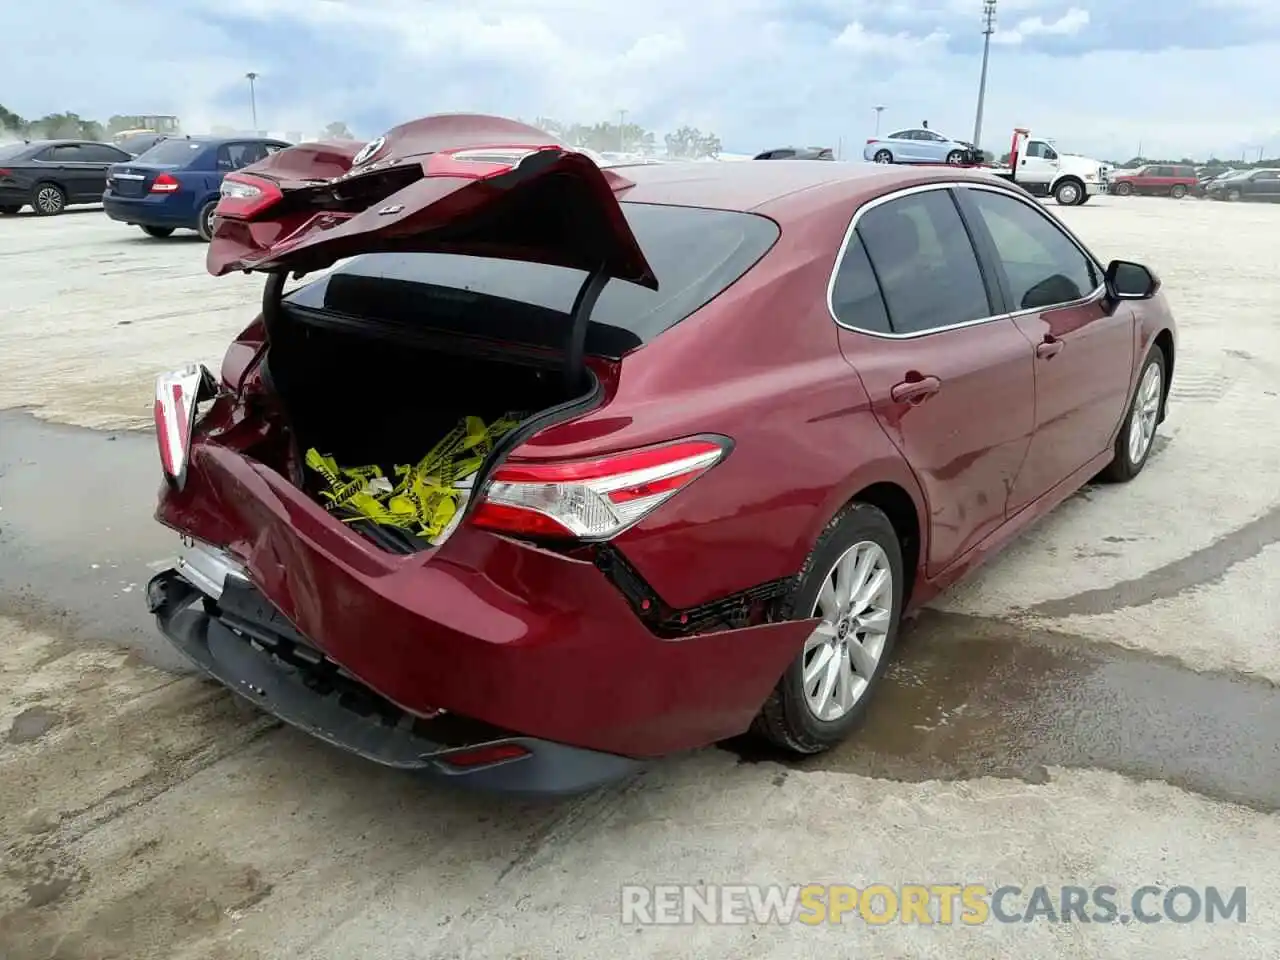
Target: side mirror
x=1130 y=281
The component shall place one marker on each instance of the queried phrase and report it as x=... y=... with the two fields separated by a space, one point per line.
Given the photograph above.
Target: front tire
x=1068 y=193
x=1233 y=195
x=883 y=156
x=158 y=232
x=955 y=157
x=854 y=583
x=48 y=200
x=1137 y=433
x=1123 y=189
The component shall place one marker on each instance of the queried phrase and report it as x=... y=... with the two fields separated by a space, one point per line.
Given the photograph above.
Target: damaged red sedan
x=552 y=469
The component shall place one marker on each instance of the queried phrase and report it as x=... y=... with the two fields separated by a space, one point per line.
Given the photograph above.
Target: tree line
x=685 y=142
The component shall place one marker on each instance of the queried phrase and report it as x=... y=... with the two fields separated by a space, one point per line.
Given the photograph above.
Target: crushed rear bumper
x=242 y=641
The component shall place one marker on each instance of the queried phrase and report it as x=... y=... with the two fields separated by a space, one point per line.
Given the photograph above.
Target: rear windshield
x=696 y=253
x=9 y=151
x=174 y=153
x=137 y=143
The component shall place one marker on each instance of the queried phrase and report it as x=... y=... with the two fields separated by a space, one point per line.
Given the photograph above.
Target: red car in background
x=770 y=408
x=1157 y=180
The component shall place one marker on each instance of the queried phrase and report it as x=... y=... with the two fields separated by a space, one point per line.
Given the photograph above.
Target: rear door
x=1083 y=342
x=949 y=375
x=97 y=159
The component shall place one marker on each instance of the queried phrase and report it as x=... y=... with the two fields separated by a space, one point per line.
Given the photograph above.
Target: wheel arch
x=892 y=489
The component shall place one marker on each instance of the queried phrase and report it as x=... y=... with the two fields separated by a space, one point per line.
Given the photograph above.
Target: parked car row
x=171 y=183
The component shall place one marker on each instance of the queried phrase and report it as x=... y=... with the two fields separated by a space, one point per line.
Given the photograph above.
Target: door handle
x=1049 y=347
x=915 y=389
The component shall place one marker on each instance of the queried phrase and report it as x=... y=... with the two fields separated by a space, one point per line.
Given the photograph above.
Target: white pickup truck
x=1036 y=165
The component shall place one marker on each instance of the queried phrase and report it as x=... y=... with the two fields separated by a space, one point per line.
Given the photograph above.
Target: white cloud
x=859 y=40
x=760 y=73
x=1069 y=24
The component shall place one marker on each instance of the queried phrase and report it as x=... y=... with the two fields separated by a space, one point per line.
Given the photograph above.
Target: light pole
x=878 y=110
x=988 y=28
x=622 y=137
x=253 y=99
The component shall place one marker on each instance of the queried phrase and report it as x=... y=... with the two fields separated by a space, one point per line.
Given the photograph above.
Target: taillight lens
x=872 y=140
x=5 y=173
x=165 y=183
x=593 y=499
x=244 y=196
x=177 y=395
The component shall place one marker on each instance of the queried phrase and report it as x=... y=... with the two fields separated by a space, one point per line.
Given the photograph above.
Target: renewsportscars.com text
x=966 y=904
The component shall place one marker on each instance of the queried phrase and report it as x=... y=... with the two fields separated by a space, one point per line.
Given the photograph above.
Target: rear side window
x=172 y=153
x=855 y=294
x=102 y=153
x=696 y=254
x=922 y=255
x=233 y=156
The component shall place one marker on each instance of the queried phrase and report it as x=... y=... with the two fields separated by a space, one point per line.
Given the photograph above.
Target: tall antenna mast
x=988 y=28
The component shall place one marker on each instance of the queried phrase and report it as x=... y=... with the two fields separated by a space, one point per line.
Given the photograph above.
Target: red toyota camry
x=760 y=411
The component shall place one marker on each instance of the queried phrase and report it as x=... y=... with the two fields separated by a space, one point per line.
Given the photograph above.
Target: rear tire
x=1123 y=189
x=1177 y=191
x=204 y=226
x=1137 y=433
x=158 y=232
x=48 y=200
x=883 y=156
x=861 y=545
x=9 y=209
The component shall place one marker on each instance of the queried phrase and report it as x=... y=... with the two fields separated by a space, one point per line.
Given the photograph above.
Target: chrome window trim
x=951 y=185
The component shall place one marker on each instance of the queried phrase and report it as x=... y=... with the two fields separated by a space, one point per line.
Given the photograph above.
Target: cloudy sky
x=1100 y=76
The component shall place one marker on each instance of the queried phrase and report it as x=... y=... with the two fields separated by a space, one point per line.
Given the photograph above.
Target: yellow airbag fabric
x=425 y=496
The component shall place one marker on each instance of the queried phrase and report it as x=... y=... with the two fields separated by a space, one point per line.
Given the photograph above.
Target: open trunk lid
x=463 y=184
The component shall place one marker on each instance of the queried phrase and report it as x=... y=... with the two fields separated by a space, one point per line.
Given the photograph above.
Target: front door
x=1083 y=342
x=950 y=379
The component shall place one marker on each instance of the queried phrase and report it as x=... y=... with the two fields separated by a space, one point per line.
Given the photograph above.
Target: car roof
x=753 y=186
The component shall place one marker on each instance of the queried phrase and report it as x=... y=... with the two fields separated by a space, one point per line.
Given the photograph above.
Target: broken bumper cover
x=240 y=640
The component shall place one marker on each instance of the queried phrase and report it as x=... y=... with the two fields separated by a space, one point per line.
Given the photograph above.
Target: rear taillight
x=872 y=140
x=5 y=173
x=592 y=499
x=177 y=395
x=165 y=183
x=244 y=196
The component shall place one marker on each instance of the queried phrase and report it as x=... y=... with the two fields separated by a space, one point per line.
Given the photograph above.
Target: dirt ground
x=1098 y=706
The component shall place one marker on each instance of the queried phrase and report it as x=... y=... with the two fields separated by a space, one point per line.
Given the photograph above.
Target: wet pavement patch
x=32 y=724
x=969 y=697
x=1197 y=569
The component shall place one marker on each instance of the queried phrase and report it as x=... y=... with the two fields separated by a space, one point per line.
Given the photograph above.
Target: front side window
x=1042 y=266
x=925 y=262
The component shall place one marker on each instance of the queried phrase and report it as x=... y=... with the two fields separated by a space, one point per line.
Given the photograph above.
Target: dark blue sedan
x=175 y=184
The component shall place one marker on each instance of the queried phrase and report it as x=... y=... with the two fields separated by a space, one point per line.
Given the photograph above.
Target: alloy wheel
x=842 y=654
x=1146 y=410
x=49 y=200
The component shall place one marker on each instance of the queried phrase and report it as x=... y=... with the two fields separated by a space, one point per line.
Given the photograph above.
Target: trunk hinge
x=579 y=318
x=272 y=294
